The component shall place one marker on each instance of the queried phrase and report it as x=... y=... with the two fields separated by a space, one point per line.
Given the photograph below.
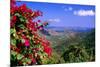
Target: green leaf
x=19 y=56
x=17 y=14
x=28 y=60
x=12 y=31
x=13 y=53
x=21 y=26
x=22 y=19
x=13 y=41
x=25 y=60
x=24 y=63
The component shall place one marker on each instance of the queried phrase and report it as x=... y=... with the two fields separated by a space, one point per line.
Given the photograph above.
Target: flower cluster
x=27 y=46
x=24 y=11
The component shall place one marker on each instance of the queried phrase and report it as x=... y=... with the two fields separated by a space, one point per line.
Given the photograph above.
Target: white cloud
x=67 y=8
x=84 y=13
x=54 y=20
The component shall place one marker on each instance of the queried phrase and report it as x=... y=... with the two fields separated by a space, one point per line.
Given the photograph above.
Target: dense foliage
x=83 y=51
x=27 y=46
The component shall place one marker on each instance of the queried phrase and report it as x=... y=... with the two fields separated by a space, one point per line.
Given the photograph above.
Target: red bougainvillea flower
x=39 y=20
x=27 y=43
x=40 y=27
x=19 y=45
x=48 y=50
x=37 y=13
x=13 y=2
x=13 y=20
x=43 y=44
x=13 y=10
x=18 y=50
x=23 y=8
x=33 y=61
x=32 y=26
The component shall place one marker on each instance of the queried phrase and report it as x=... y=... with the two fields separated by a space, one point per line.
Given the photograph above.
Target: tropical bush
x=75 y=53
x=27 y=46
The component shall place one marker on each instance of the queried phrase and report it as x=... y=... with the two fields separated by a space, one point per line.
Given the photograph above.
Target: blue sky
x=64 y=15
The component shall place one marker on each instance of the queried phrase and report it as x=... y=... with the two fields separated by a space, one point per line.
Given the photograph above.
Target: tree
x=75 y=53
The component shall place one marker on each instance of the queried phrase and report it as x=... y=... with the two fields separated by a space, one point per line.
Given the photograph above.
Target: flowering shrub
x=27 y=46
